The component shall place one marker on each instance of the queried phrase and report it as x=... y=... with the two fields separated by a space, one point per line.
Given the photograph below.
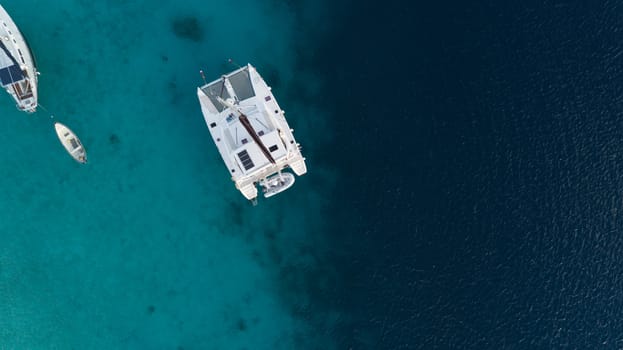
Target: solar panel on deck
x=11 y=75
x=246 y=160
x=10 y=71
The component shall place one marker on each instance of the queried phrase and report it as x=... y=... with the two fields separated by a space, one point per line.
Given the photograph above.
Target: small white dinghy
x=71 y=142
x=276 y=183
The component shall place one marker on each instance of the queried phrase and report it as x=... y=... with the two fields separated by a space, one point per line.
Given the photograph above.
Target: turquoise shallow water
x=149 y=245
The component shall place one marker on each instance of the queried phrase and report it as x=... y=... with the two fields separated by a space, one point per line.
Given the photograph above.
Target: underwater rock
x=113 y=139
x=188 y=28
x=241 y=325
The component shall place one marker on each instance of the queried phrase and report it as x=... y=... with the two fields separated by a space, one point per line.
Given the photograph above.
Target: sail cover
x=10 y=71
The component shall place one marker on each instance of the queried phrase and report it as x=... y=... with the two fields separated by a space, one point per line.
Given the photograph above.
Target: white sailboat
x=18 y=73
x=251 y=133
x=71 y=142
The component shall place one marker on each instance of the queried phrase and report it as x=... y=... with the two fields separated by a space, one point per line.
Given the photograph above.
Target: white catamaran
x=18 y=73
x=251 y=133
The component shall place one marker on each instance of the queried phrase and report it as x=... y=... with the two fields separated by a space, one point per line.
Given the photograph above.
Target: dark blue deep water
x=480 y=191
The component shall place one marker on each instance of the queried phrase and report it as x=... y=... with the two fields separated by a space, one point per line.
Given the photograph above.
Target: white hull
x=20 y=83
x=71 y=142
x=251 y=132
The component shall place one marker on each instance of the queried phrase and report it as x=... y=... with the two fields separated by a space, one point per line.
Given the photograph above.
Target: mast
x=247 y=125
